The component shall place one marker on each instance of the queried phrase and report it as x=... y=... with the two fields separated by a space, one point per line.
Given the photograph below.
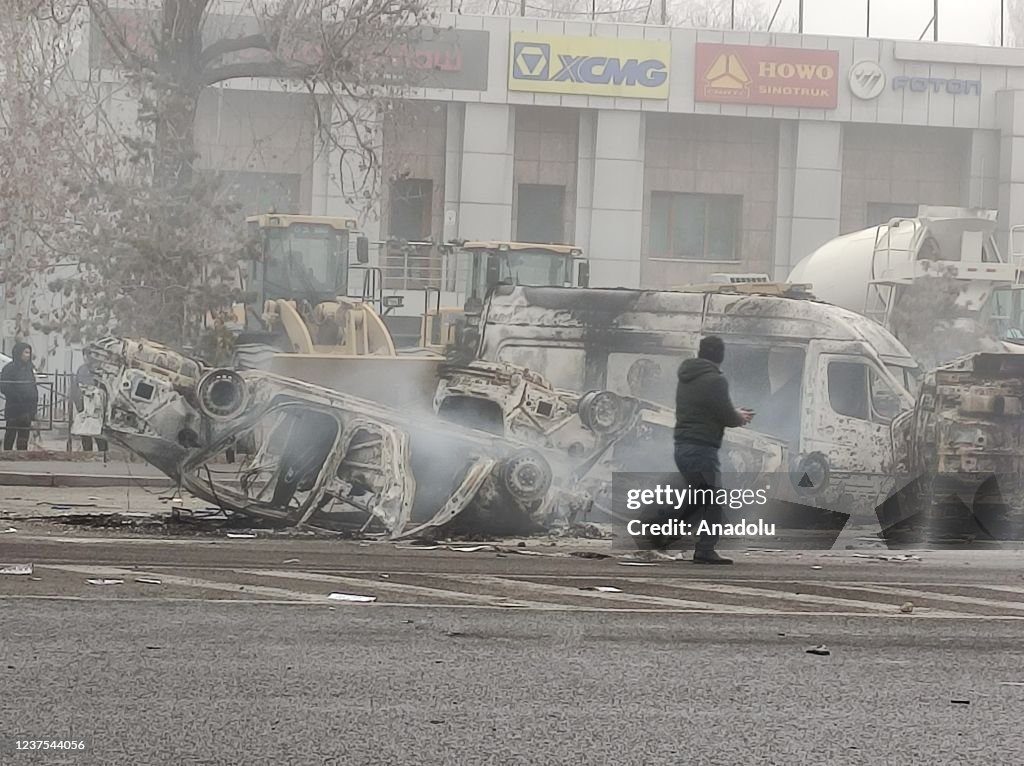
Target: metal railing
x=55 y=407
x=411 y=266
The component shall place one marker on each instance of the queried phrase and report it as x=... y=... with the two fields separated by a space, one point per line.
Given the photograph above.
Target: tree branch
x=275 y=69
x=215 y=50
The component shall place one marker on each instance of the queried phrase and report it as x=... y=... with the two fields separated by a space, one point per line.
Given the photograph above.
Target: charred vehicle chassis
x=282 y=451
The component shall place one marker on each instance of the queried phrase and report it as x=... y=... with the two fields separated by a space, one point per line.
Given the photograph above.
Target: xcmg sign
x=592 y=66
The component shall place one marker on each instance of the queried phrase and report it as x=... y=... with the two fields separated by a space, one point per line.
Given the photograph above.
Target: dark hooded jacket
x=18 y=385
x=703 y=407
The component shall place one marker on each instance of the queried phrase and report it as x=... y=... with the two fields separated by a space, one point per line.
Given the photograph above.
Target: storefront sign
x=425 y=58
x=747 y=74
x=938 y=85
x=867 y=80
x=588 y=65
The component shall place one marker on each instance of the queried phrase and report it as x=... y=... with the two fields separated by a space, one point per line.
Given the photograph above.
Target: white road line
x=804 y=598
x=366 y=585
x=192 y=582
x=633 y=598
x=948 y=597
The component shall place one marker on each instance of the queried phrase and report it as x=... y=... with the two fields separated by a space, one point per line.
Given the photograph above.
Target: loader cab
x=476 y=267
x=473 y=268
x=300 y=257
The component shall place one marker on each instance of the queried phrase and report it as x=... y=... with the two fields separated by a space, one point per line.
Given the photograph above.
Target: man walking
x=18 y=385
x=703 y=412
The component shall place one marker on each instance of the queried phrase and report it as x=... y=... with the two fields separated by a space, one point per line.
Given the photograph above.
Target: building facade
x=667 y=155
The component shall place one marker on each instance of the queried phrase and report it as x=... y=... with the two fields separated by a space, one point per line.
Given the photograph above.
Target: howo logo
x=532 y=61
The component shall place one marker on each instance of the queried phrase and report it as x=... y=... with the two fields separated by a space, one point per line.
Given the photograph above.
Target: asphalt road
x=237 y=655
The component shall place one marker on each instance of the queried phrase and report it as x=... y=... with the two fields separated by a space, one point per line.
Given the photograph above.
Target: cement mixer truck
x=938 y=282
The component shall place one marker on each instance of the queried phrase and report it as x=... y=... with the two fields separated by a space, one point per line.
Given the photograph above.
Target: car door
x=849 y=405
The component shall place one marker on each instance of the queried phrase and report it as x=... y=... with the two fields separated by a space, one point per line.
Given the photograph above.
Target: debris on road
x=16 y=569
x=636 y=564
x=241 y=535
x=602 y=588
x=290 y=561
x=817 y=566
x=960 y=702
x=149 y=581
x=899 y=559
x=352 y=598
x=8 y=531
x=907 y=608
x=101 y=581
x=820 y=650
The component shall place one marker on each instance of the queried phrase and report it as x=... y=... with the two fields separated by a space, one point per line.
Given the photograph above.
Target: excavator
x=306 y=321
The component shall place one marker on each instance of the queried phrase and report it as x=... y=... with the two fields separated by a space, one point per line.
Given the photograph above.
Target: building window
x=880 y=213
x=539 y=214
x=415 y=266
x=698 y=227
x=410 y=205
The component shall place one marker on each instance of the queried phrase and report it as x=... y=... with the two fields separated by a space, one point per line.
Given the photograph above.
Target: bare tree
x=150 y=247
x=708 y=14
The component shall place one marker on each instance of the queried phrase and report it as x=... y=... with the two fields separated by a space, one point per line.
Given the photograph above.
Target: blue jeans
x=700 y=467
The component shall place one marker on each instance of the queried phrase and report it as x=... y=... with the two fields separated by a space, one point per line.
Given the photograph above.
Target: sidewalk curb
x=55 y=480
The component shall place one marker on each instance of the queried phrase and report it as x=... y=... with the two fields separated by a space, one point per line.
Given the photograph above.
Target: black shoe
x=709 y=557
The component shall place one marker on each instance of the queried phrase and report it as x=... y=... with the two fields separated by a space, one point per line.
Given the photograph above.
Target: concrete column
x=453 y=169
x=485 y=197
x=617 y=203
x=1010 y=111
x=786 y=180
x=981 y=185
x=587 y=146
x=815 y=150
x=334 y=172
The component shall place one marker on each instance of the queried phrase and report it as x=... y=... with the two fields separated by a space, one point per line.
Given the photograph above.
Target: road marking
x=636 y=598
x=803 y=598
x=934 y=596
x=358 y=583
x=195 y=582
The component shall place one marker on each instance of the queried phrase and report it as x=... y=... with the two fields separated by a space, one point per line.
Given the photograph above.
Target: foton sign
x=748 y=74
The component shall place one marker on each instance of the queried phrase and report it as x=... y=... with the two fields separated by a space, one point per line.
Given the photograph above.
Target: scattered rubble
x=16 y=569
x=352 y=598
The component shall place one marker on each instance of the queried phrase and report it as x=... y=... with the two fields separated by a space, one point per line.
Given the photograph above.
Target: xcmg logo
x=629 y=68
x=533 y=62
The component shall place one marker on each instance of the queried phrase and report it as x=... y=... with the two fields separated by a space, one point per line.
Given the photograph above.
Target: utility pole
x=868 y=28
x=1002 y=22
x=522 y=7
x=664 y=13
x=800 y=17
x=732 y=15
x=935 y=21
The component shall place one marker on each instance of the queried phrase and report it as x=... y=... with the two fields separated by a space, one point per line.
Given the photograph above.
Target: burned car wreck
x=286 y=452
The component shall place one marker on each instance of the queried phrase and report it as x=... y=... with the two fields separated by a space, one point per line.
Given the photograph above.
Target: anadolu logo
x=727 y=75
x=532 y=61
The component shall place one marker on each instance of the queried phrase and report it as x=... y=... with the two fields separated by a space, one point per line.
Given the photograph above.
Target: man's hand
x=746 y=414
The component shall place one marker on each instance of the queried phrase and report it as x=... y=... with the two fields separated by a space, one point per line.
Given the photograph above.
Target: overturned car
x=283 y=451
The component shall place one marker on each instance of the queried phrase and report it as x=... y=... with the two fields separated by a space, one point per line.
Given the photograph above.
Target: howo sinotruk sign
x=750 y=74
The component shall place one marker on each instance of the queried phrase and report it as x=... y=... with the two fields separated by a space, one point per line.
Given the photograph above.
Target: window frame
x=672 y=198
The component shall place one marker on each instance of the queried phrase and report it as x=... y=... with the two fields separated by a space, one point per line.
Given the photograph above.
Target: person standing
x=84 y=378
x=18 y=385
x=703 y=411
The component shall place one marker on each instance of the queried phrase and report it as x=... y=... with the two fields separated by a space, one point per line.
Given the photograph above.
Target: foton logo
x=628 y=68
x=749 y=74
x=784 y=71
